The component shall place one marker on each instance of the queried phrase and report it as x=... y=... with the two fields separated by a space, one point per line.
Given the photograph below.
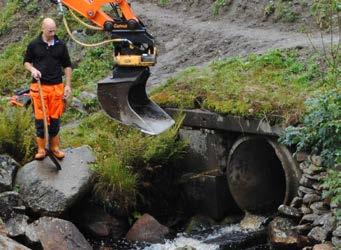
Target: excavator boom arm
x=91 y=9
x=123 y=96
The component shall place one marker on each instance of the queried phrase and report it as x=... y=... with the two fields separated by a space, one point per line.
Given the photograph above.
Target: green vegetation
x=326 y=12
x=332 y=186
x=320 y=133
x=272 y=86
x=6 y=15
x=284 y=11
x=122 y=155
x=163 y=2
x=12 y=72
x=17 y=133
x=218 y=4
x=97 y=64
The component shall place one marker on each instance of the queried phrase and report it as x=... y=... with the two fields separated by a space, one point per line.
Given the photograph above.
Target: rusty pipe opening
x=261 y=174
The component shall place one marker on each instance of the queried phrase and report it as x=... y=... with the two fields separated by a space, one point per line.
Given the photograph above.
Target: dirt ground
x=188 y=34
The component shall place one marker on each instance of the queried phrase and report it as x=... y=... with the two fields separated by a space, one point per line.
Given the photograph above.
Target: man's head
x=49 y=29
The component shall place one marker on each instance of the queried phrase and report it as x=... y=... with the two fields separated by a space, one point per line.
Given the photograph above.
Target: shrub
x=320 y=134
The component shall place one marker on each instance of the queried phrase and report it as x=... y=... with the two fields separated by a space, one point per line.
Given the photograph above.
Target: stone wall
x=312 y=217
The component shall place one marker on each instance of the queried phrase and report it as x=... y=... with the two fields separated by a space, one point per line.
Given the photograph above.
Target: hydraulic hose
x=92 y=44
x=61 y=11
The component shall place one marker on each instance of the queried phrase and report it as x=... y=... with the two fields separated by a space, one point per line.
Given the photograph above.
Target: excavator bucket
x=123 y=97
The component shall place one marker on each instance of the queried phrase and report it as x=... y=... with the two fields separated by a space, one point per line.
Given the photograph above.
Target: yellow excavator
x=123 y=94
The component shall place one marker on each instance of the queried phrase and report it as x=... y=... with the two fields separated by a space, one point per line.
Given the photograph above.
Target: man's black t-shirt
x=49 y=60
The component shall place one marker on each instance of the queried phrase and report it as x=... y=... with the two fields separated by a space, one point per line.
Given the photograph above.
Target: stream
x=231 y=237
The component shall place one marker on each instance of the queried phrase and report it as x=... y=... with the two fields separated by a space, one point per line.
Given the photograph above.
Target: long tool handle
x=46 y=129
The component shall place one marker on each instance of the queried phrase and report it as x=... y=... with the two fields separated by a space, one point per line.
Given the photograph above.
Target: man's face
x=49 y=31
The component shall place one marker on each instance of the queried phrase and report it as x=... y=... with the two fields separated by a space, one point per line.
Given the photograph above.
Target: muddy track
x=185 y=40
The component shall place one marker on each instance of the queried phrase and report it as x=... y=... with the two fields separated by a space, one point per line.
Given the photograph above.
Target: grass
x=12 y=72
x=17 y=133
x=271 y=86
x=122 y=155
x=6 y=15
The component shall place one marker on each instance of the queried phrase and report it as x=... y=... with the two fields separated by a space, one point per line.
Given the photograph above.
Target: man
x=45 y=58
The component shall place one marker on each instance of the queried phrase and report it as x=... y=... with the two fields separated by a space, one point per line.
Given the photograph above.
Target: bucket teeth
x=123 y=97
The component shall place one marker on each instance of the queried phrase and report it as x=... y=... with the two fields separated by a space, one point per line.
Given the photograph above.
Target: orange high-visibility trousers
x=54 y=106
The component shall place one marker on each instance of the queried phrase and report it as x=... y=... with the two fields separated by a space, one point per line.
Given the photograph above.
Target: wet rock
x=318 y=234
x=301 y=156
x=304 y=165
x=147 y=229
x=308 y=218
x=232 y=219
x=55 y=233
x=253 y=222
x=336 y=242
x=303 y=241
x=8 y=168
x=8 y=243
x=296 y=202
x=50 y=192
x=199 y=223
x=186 y=248
x=281 y=233
x=311 y=169
x=327 y=221
x=310 y=198
x=16 y=226
x=3 y=230
x=306 y=190
x=303 y=229
x=316 y=177
x=320 y=207
x=300 y=193
x=318 y=187
x=337 y=232
x=8 y=201
x=325 y=246
x=316 y=160
x=306 y=182
x=289 y=211
x=306 y=210
x=95 y=221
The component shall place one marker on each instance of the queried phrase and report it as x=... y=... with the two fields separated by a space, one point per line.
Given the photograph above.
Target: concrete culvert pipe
x=261 y=174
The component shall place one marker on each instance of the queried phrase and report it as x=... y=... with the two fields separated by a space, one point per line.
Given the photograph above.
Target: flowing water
x=215 y=238
x=219 y=237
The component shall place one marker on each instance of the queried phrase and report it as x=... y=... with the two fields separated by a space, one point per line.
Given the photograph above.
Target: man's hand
x=35 y=74
x=67 y=92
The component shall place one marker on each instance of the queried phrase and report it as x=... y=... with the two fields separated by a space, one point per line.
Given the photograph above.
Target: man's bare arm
x=36 y=74
x=68 y=75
